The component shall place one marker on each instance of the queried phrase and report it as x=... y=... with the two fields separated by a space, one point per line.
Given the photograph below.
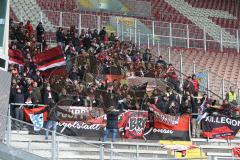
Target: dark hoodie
x=52 y=110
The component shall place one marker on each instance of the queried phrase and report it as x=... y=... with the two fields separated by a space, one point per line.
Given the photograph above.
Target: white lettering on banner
x=166 y=131
x=223 y=120
x=77 y=125
x=79 y=113
x=172 y=120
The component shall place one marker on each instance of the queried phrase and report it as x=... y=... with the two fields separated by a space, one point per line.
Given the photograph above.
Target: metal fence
x=150 y=32
x=58 y=142
x=60 y=145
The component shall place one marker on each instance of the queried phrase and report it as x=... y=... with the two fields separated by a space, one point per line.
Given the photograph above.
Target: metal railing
x=103 y=150
x=57 y=139
x=148 y=31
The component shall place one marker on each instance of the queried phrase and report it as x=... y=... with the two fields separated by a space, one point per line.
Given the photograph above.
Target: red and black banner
x=55 y=71
x=168 y=127
x=15 y=57
x=90 y=122
x=133 y=124
x=28 y=111
x=220 y=127
x=85 y=121
x=51 y=58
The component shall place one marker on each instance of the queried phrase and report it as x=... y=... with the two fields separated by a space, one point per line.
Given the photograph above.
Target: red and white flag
x=51 y=58
x=15 y=57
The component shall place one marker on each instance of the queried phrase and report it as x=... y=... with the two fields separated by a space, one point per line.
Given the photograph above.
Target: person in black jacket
x=40 y=31
x=102 y=33
x=112 y=124
x=19 y=98
x=52 y=109
x=60 y=37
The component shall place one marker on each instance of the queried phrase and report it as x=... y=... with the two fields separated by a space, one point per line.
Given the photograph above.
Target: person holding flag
x=52 y=118
x=112 y=123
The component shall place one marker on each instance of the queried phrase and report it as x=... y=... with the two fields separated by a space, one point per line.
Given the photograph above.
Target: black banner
x=85 y=121
x=220 y=127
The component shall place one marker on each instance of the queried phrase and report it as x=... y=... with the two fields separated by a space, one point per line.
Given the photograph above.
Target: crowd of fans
x=89 y=56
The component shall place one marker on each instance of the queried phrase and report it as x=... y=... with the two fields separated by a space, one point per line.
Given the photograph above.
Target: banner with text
x=220 y=127
x=168 y=127
x=85 y=121
x=133 y=124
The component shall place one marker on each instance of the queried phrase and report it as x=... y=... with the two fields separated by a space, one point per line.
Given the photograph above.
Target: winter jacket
x=112 y=120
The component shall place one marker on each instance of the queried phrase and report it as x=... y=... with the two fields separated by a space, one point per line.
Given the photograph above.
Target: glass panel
x=3 y=4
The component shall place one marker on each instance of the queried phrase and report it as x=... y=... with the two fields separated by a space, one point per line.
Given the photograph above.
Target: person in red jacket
x=29 y=27
x=195 y=85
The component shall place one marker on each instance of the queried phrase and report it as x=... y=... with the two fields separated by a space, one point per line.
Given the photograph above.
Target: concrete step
x=77 y=141
x=214 y=141
x=84 y=149
x=71 y=149
x=71 y=156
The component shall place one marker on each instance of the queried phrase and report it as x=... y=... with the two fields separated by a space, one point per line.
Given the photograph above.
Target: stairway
x=29 y=10
x=70 y=149
x=203 y=21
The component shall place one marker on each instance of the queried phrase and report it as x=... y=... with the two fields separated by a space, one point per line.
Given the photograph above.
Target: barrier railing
x=61 y=143
x=57 y=139
x=171 y=34
x=217 y=84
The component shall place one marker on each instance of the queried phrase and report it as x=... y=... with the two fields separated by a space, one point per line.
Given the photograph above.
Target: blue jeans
x=50 y=125
x=106 y=133
x=18 y=116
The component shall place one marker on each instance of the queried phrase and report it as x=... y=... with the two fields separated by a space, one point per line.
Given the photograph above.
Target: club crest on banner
x=37 y=121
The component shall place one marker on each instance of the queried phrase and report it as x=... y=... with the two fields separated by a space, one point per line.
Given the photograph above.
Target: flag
x=168 y=127
x=37 y=121
x=15 y=57
x=133 y=124
x=220 y=127
x=51 y=58
x=28 y=112
x=138 y=81
x=202 y=80
x=140 y=90
x=111 y=78
x=55 y=71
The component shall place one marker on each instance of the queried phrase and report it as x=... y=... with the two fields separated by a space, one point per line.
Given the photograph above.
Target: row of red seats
x=165 y=12
x=224 y=5
x=226 y=23
x=61 y=5
x=161 y=5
